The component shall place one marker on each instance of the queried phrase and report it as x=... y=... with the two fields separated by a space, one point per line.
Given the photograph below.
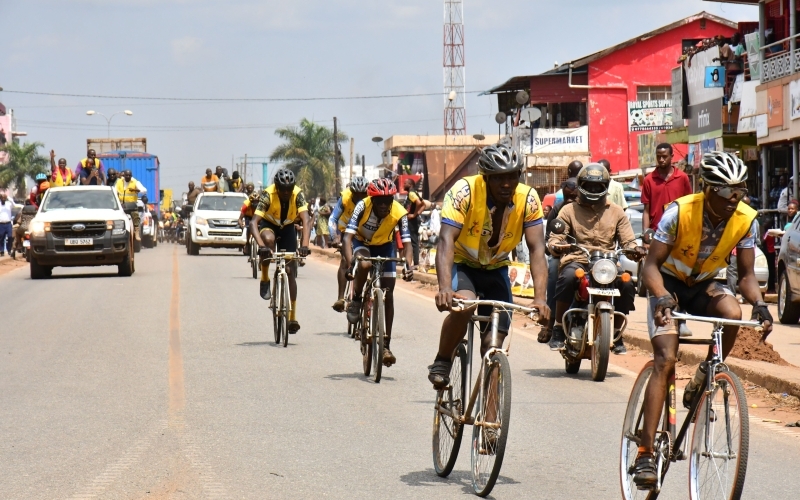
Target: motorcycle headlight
x=604 y=271
x=201 y=221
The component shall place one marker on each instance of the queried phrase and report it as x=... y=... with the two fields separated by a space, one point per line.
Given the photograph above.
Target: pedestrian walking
x=6 y=227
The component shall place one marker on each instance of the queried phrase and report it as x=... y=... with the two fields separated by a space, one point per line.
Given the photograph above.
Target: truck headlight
x=118 y=228
x=38 y=228
x=200 y=221
x=604 y=271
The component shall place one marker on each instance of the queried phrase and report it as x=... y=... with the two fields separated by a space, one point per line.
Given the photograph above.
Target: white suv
x=215 y=222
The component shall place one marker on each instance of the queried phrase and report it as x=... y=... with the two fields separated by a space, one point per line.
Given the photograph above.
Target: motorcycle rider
x=273 y=227
x=714 y=222
x=337 y=224
x=597 y=224
x=37 y=193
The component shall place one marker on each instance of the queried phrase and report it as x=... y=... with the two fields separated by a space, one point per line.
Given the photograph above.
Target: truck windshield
x=221 y=203
x=78 y=198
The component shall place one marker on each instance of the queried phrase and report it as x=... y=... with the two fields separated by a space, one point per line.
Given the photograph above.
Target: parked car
x=81 y=226
x=215 y=222
x=788 y=269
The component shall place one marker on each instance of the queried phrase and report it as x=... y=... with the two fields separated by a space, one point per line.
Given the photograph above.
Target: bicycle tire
x=602 y=345
x=447 y=433
x=275 y=306
x=366 y=342
x=254 y=260
x=285 y=308
x=487 y=458
x=629 y=448
x=728 y=479
x=378 y=324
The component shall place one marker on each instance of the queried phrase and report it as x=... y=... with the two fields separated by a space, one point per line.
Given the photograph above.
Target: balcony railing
x=774 y=66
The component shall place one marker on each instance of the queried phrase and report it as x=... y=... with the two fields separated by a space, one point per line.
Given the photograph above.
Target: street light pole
x=108 y=119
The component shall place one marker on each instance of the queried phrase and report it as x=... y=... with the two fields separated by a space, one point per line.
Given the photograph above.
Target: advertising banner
x=519 y=274
x=715 y=76
x=650 y=115
x=747 y=108
x=775 y=106
x=705 y=120
x=677 y=97
x=553 y=140
x=647 y=149
x=794 y=99
x=696 y=77
x=736 y=93
x=753 y=44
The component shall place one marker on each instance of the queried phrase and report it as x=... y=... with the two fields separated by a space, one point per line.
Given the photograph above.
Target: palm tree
x=308 y=152
x=23 y=161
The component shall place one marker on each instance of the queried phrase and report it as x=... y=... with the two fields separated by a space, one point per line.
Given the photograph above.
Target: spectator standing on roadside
x=62 y=175
x=769 y=253
x=6 y=227
x=414 y=206
x=787 y=194
x=616 y=192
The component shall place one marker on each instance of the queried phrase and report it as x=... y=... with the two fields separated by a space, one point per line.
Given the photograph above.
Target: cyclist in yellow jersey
x=484 y=217
x=337 y=224
x=693 y=241
x=273 y=227
x=370 y=233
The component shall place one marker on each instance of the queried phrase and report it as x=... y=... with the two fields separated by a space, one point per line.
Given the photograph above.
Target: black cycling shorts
x=693 y=300
x=285 y=237
x=487 y=285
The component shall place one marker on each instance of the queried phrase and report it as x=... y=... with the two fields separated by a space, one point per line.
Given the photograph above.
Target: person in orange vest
x=61 y=174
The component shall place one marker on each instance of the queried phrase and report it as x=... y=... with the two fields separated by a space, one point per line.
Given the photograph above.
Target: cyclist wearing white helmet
x=694 y=240
x=337 y=224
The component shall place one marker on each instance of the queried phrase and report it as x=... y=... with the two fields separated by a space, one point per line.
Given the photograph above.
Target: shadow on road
x=584 y=374
x=82 y=276
x=428 y=477
x=268 y=343
x=334 y=334
x=356 y=375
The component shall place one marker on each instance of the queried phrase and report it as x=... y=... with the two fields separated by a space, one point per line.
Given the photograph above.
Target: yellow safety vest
x=273 y=214
x=348 y=206
x=60 y=181
x=467 y=248
x=685 y=250
x=385 y=231
x=127 y=195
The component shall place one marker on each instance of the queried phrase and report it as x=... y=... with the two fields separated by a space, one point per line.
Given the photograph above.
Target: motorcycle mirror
x=557 y=226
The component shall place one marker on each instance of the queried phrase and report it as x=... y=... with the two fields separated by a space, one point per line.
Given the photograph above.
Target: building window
x=653 y=93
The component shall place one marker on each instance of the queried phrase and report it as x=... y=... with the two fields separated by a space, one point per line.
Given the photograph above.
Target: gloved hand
x=647 y=236
x=303 y=251
x=264 y=252
x=664 y=307
x=408 y=273
x=761 y=313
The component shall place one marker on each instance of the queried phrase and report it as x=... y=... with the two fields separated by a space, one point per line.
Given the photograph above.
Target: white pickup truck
x=81 y=226
x=215 y=222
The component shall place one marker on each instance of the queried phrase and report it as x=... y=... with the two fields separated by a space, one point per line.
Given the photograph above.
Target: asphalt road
x=167 y=385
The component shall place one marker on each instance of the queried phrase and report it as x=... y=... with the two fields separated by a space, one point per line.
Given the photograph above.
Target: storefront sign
x=552 y=140
x=794 y=99
x=705 y=120
x=747 y=109
x=677 y=96
x=751 y=40
x=775 y=106
x=647 y=149
x=696 y=77
x=762 y=130
x=696 y=151
x=736 y=93
x=650 y=115
x=749 y=153
x=715 y=76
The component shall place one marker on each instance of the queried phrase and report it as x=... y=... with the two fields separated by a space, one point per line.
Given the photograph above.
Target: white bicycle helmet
x=722 y=169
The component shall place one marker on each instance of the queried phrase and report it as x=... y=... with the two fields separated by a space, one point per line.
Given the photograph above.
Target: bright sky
x=283 y=49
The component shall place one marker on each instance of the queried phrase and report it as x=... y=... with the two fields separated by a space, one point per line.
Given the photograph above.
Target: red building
x=603 y=101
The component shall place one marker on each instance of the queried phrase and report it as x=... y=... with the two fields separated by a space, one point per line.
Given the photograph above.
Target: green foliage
x=23 y=161
x=308 y=152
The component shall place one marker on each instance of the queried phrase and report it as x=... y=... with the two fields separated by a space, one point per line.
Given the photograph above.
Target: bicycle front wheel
x=285 y=305
x=254 y=260
x=364 y=331
x=450 y=403
x=490 y=431
x=720 y=441
x=378 y=333
x=277 y=319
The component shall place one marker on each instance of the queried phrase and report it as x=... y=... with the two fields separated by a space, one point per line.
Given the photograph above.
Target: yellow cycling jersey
x=247 y=208
x=269 y=206
x=348 y=205
x=366 y=227
x=467 y=208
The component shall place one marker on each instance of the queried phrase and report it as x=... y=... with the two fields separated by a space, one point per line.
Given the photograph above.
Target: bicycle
x=348 y=295
x=254 y=261
x=718 y=453
x=370 y=328
x=280 y=302
x=490 y=393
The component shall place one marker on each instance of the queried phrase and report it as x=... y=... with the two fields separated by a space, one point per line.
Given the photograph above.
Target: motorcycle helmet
x=499 y=159
x=593 y=181
x=359 y=185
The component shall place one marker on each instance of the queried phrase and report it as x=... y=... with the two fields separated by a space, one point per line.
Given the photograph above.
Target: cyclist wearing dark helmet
x=484 y=217
x=370 y=232
x=596 y=223
x=693 y=241
x=337 y=224
x=272 y=226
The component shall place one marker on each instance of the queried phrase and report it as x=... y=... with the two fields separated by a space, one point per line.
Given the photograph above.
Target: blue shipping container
x=143 y=166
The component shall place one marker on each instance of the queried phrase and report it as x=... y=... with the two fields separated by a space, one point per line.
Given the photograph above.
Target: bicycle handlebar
x=283 y=255
x=716 y=321
x=381 y=259
x=465 y=304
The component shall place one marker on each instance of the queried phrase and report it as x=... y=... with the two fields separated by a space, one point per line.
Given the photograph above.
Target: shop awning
x=555 y=88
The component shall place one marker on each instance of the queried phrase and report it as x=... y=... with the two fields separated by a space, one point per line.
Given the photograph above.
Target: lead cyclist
x=694 y=240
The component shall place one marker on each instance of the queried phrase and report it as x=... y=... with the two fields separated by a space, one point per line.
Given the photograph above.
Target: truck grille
x=224 y=223
x=224 y=233
x=64 y=229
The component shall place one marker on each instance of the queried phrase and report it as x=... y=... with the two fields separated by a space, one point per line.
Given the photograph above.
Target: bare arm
x=646 y=218
x=306 y=228
x=534 y=237
x=748 y=284
x=347 y=249
x=420 y=208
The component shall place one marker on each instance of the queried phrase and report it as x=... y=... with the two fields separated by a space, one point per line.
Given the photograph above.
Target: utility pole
x=245 y=168
x=338 y=181
x=352 y=145
x=363 y=171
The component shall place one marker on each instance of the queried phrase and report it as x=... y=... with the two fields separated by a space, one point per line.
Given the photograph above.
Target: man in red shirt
x=661 y=187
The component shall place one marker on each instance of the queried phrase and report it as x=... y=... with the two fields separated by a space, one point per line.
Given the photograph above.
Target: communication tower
x=455 y=114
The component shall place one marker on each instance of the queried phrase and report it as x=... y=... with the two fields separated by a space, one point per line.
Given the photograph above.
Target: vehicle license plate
x=224 y=238
x=606 y=292
x=26 y=244
x=79 y=241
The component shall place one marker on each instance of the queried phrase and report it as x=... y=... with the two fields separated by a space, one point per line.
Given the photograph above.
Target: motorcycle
x=589 y=321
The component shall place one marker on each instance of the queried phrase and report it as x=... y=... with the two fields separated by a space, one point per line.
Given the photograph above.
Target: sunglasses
x=729 y=192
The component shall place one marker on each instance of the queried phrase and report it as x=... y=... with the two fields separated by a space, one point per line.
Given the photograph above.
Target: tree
x=23 y=161
x=308 y=152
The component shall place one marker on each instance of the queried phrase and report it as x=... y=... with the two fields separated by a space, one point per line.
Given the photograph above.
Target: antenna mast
x=455 y=114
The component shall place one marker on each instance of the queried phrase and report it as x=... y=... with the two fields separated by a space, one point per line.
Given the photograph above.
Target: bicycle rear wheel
x=277 y=319
x=378 y=333
x=631 y=437
x=364 y=331
x=447 y=432
x=720 y=441
x=489 y=435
